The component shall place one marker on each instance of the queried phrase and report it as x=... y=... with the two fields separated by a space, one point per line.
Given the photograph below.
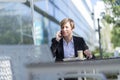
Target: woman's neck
x=68 y=38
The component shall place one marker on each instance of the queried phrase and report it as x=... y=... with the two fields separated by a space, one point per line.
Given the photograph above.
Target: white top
x=68 y=49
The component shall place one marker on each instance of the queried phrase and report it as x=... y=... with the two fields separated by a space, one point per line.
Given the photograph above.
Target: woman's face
x=66 y=30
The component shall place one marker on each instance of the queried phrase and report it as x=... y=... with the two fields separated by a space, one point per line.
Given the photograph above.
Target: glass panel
x=42 y=4
x=12 y=0
x=15 y=24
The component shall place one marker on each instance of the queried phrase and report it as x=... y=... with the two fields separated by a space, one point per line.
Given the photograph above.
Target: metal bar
x=75 y=67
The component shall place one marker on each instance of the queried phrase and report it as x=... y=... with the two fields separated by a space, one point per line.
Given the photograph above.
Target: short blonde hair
x=65 y=20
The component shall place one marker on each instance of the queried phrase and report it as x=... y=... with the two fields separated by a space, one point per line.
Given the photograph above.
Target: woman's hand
x=58 y=35
x=88 y=53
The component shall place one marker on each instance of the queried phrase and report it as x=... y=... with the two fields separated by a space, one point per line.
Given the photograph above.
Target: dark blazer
x=58 y=51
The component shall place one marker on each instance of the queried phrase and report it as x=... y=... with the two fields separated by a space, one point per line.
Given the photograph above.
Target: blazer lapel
x=75 y=46
x=62 y=50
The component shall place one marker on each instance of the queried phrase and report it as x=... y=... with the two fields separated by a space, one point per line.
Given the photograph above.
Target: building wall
x=40 y=26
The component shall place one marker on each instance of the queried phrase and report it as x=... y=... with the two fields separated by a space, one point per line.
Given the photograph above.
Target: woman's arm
x=54 y=46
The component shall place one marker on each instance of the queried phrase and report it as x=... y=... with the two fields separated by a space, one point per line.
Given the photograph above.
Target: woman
x=65 y=45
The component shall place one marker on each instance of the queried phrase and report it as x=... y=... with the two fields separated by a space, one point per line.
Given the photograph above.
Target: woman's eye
x=66 y=26
x=62 y=27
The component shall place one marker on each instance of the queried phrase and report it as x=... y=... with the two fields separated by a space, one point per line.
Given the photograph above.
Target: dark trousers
x=70 y=79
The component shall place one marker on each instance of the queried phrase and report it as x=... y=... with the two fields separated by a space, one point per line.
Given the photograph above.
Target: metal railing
x=93 y=68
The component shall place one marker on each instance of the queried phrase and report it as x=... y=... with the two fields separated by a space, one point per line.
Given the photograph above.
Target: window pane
x=15 y=24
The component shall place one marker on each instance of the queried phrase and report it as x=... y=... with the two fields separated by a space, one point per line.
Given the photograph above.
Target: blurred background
x=35 y=22
x=27 y=27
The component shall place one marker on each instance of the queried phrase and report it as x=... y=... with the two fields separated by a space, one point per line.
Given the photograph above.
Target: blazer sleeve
x=54 y=46
x=84 y=45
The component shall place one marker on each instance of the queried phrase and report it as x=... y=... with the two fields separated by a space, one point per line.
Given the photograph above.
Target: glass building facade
x=36 y=22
